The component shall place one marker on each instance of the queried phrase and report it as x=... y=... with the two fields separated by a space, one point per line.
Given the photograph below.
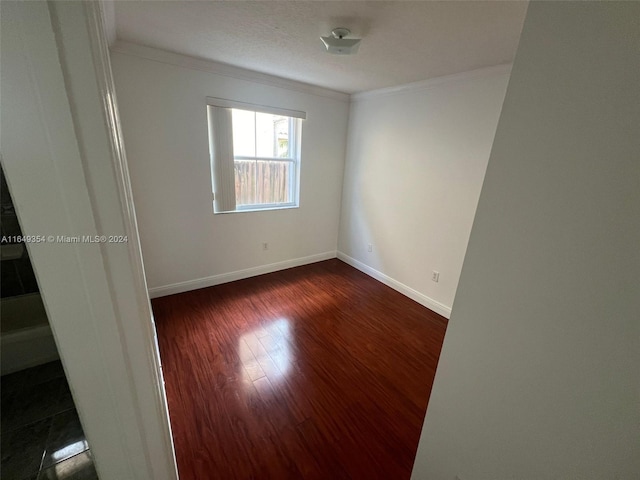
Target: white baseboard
x=236 y=275
x=188 y=285
x=422 y=299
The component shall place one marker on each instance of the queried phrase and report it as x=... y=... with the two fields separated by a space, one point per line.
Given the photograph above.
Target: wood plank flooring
x=316 y=372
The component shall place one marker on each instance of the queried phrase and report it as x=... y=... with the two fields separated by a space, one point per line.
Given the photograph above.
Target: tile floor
x=42 y=438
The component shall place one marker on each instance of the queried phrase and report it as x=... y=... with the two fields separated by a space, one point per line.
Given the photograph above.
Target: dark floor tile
x=80 y=467
x=66 y=438
x=22 y=450
x=44 y=373
x=65 y=401
x=9 y=384
x=31 y=404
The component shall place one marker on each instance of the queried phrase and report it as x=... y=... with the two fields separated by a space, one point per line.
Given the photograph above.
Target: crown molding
x=223 y=69
x=433 y=82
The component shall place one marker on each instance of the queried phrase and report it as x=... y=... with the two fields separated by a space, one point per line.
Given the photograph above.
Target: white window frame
x=295 y=150
x=293 y=159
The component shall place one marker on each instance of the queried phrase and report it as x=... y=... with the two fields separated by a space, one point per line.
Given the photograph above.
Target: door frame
x=65 y=163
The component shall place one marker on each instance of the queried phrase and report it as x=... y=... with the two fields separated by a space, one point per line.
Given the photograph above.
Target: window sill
x=259 y=209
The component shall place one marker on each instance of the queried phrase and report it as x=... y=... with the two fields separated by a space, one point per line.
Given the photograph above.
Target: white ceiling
x=403 y=41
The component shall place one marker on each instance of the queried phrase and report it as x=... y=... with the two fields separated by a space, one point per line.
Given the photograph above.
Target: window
x=255 y=156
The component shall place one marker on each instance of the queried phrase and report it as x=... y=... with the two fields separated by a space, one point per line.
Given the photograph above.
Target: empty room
x=323 y=239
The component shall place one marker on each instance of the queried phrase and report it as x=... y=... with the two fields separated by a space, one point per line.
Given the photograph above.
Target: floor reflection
x=79 y=467
x=266 y=352
x=41 y=433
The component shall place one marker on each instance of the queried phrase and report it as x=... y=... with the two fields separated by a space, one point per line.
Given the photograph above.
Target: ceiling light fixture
x=338 y=45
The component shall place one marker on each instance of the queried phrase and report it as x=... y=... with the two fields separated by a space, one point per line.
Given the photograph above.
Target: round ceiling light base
x=340 y=32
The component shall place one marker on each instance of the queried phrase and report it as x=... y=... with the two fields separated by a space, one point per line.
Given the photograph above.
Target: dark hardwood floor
x=316 y=372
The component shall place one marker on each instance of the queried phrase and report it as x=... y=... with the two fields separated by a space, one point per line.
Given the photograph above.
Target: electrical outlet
x=435 y=276
x=369 y=248
x=265 y=246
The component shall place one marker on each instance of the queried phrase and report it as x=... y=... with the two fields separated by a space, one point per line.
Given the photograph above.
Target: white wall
x=416 y=158
x=164 y=118
x=538 y=376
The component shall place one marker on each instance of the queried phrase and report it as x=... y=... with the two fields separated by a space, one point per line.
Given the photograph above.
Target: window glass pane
x=272 y=135
x=245 y=175
x=244 y=133
x=274 y=180
x=263 y=182
x=282 y=137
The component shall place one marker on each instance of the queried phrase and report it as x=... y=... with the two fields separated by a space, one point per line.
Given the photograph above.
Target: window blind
x=221 y=151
